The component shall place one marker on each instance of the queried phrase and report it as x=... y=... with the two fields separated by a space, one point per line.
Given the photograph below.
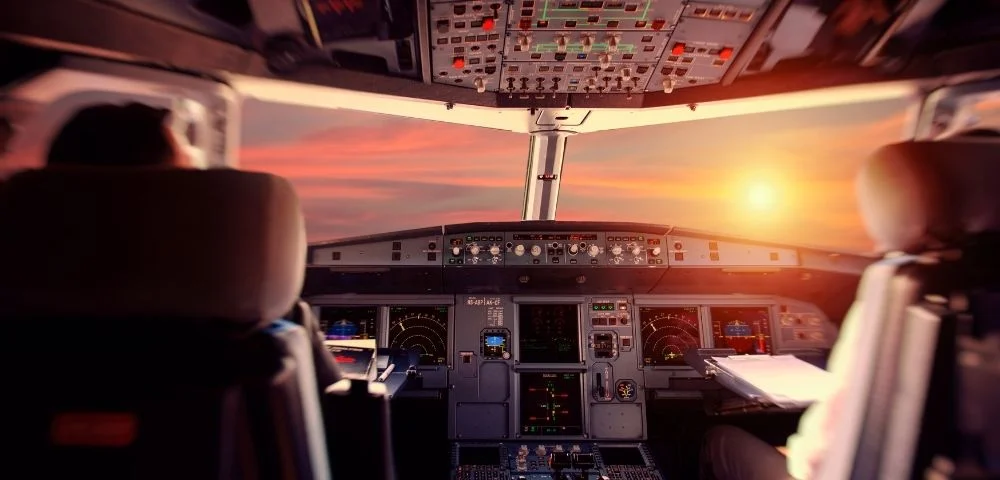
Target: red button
x=489 y=23
x=678 y=49
x=658 y=24
x=725 y=53
x=458 y=63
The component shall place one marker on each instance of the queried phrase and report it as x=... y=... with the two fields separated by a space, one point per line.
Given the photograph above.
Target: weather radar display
x=744 y=329
x=420 y=329
x=668 y=332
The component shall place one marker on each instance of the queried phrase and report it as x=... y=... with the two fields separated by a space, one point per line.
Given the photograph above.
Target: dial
x=422 y=329
x=635 y=250
x=474 y=249
x=616 y=250
x=495 y=250
x=574 y=249
x=593 y=250
x=625 y=390
x=519 y=250
x=668 y=332
x=536 y=250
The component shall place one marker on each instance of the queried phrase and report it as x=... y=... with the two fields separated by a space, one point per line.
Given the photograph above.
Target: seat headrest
x=916 y=196
x=224 y=245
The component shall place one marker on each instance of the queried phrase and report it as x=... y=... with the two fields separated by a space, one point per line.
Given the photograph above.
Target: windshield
x=785 y=177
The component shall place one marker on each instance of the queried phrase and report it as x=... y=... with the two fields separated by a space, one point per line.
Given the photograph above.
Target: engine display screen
x=745 y=329
x=549 y=333
x=348 y=323
x=551 y=403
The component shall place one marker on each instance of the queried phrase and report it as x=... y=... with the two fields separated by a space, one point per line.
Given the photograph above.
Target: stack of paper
x=782 y=380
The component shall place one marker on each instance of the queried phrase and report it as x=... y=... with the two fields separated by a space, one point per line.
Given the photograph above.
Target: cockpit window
x=783 y=177
x=359 y=173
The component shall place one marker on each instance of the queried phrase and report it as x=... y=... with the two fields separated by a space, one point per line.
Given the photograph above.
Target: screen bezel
x=770 y=322
x=700 y=309
x=580 y=345
x=518 y=385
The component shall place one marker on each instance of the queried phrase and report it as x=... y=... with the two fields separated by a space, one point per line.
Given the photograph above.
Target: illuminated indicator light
x=725 y=53
x=94 y=429
x=524 y=24
x=659 y=23
x=458 y=63
x=678 y=49
x=640 y=24
x=488 y=23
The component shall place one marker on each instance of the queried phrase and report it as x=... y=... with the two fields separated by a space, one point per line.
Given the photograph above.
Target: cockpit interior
x=176 y=322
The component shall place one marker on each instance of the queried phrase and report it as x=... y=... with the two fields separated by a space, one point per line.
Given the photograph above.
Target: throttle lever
x=600 y=385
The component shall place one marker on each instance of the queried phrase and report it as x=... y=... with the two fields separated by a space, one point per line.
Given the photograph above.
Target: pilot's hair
x=114 y=135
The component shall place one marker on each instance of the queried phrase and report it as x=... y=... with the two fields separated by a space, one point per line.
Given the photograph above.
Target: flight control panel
x=548 y=342
x=541 y=47
x=548 y=385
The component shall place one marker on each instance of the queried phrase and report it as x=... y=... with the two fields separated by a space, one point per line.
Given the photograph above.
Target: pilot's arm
x=808 y=446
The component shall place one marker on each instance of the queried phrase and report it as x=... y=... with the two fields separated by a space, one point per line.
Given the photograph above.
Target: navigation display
x=420 y=329
x=549 y=333
x=348 y=323
x=551 y=403
x=745 y=329
x=668 y=332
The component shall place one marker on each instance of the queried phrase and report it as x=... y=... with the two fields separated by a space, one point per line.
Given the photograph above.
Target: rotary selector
x=536 y=250
x=574 y=249
x=593 y=250
x=519 y=250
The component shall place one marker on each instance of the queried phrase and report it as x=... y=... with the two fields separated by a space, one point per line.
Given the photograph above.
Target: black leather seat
x=926 y=395
x=139 y=308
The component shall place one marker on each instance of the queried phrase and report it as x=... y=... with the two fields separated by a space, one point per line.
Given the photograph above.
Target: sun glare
x=762 y=196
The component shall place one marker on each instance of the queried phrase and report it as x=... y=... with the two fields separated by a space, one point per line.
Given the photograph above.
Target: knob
x=574 y=249
x=593 y=250
x=627 y=73
x=495 y=250
x=591 y=82
x=540 y=451
x=605 y=60
x=561 y=44
x=480 y=84
x=655 y=251
x=536 y=250
x=474 y=250
x=588 y=43
x=523 y=450
x=519 y=250
x=668 y=85
x=456 y=251
x=612 y=43
x=524 y=41
x=616 y=250
x=636 y=251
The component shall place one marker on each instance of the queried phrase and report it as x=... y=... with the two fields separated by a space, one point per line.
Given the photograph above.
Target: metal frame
x=949 y=110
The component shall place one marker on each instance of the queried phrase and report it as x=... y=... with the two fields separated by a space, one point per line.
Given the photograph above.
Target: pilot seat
x=141 y=341
x=924 y=400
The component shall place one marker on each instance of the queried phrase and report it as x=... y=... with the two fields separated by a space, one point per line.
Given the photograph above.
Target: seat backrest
x=935 y=206
x=140 y=307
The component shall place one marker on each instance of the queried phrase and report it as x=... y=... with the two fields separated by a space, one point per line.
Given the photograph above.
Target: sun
x=762 y=196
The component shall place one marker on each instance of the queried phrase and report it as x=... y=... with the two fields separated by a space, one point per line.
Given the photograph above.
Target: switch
x=678 y=49
x=443 y=25
x=480 y=84
x=658 y=24
x=458 y=63
x=726 y=53
x=489 y=24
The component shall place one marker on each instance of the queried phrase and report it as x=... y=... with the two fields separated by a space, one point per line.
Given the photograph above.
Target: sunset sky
x=786 y=177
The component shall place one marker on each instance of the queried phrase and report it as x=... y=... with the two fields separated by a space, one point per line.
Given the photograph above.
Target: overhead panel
x=534 y=48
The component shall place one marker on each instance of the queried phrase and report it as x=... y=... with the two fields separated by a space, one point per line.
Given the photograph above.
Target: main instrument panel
x=545 y=47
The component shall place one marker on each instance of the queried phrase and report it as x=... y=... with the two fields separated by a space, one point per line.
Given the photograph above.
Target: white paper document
x=783 y=380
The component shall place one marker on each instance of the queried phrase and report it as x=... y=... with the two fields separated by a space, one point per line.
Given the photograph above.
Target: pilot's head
x=117 y=135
